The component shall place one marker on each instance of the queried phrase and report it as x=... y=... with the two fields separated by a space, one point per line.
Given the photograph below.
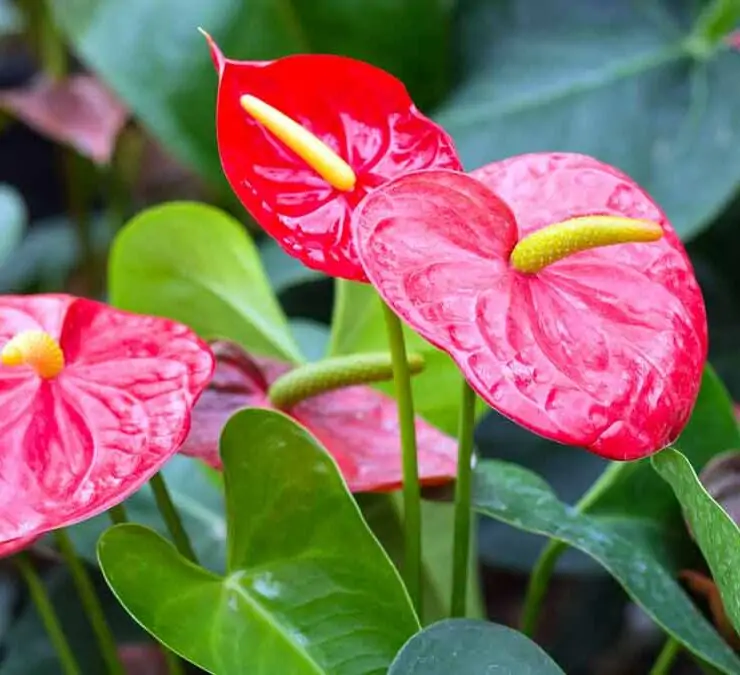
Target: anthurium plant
x=549 y=288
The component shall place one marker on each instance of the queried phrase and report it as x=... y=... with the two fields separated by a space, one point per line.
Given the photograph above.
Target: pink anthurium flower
x=599 y=347
x=302 y=140
x=358 y=425
x=78 y=111
x=95 y=401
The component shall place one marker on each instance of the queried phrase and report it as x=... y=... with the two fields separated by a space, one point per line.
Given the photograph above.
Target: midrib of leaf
x=231 y=583
x=483 y=113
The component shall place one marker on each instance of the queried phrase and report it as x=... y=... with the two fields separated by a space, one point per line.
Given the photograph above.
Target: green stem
x=463 y=490
x=48 y=615
x=171 y=517
x=117 y=514
x=545 y=565
x=313 y=379
x=667 y=657
x=90 y=603
x=411 y=487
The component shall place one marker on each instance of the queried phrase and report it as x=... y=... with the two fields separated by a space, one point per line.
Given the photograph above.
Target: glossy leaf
x=578 y=353
x=716 y=533
x=193 y=263
x=82 y=441
x=198 y=500
x=357 y=425
x=304 y=212
x=358 y=326
x=612 y=80
x=301 y=561
x=636 y=552
x=169 y=83
x=12 y=221
x=467 y=647
x=78 y=111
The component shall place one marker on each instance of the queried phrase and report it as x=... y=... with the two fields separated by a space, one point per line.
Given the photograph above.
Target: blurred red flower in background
x=358 y=425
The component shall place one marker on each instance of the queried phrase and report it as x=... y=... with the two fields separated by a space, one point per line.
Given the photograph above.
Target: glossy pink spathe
x=602 y=350
x=357 y=425
x=361 y=112
x=77 y=444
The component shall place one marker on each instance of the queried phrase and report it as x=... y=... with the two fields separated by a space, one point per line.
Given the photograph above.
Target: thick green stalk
x=411 y=487
x=90 y=603
x=667 y=657
x=117 y=514
x=545 y=565
x=48 y=615
x=171 y=517
x=463 y=491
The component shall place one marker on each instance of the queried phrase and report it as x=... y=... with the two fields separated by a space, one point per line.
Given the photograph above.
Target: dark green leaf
x=636 y=552
x=467 y=647
x=610 y=79
x=151 y=54
x=195 y=264
x=308 y=589
x=716 y=533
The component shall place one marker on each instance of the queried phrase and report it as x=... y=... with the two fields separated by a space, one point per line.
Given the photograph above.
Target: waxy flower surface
x=361 y=114
x=94 y=401
x=601 y=348
x=358 y=425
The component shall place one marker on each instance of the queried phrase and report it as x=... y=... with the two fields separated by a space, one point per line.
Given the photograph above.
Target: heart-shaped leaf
x=165 y=74
x=716 y=533
x=193 y=263
x=614 y=80
x=468 y=647
x=308 y=588
x=637 y=553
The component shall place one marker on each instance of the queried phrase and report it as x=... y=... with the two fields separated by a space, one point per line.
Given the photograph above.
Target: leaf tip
x=216 y=54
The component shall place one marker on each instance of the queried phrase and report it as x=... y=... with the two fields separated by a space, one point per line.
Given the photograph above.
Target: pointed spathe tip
x=216 y=54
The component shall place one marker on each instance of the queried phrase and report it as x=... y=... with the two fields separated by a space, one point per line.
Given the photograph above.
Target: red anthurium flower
x=601 y=349
x=363 y=129
x=94 y=401
x=358 y=425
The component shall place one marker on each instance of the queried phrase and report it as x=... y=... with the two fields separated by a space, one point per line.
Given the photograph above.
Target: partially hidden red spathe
x=358 y=425
x=361 y=112
x=83 y=441
x=603 y=349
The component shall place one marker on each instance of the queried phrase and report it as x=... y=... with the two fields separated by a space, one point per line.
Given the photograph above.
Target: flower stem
x=48 y=616
x=411 y=487
x=463 y=489
x=117 y=514
x=90 y=603
x=666 y=658
x=171 y=517
x=545 y=565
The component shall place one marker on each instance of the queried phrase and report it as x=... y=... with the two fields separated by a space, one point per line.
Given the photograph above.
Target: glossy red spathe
x=358 y=425
x=76 y=444
x=603 y=349
x=362 y=113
